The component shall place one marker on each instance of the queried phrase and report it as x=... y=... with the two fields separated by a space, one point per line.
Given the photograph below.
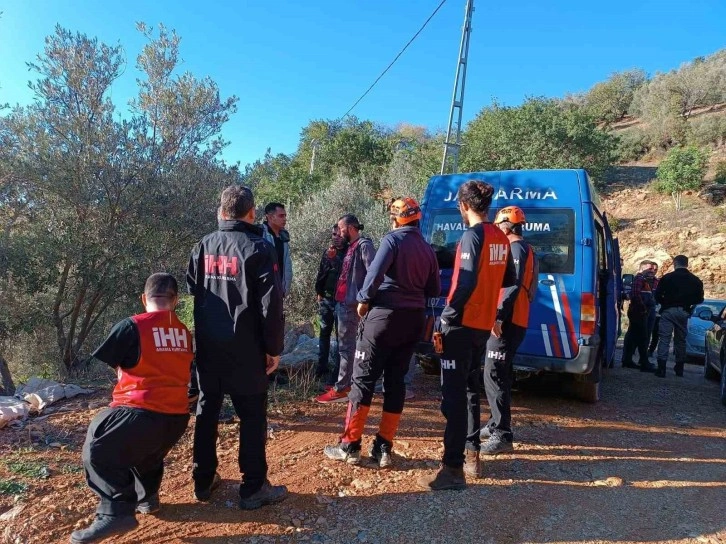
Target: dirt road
x=646 y=464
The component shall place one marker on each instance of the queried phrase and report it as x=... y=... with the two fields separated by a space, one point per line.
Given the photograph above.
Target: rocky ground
x=646 y=464
x=648 y=226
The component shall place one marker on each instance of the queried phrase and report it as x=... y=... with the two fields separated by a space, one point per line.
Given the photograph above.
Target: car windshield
x=550 y=231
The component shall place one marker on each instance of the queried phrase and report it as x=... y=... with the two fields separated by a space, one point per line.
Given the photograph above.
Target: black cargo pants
x=498 y=377
x=123 y=455
x=460 y=385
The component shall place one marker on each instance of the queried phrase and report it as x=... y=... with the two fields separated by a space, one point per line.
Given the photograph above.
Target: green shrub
x=708 y=130
x=632 y=145
x=682 y=169
x=720 y=173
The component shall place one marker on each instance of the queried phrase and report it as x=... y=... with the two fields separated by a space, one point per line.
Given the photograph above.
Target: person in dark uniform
x=392 y=304
x=238 y=324
x=513 y=312
x=325 y=283
x=653 y=344
x=641 y=317
x=123 y=455
x=482 y=267
x=677 y=293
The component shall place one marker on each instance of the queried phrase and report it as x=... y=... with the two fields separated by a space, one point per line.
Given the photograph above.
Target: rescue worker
x=482 y=267
x=239 y=337
x=653 y=344
x=678 y=292
x=325 y=283
x=273 y=230
x=123 y=455
x=513 y=312
x=392 y=304
x=641 y=314
x=357 y=259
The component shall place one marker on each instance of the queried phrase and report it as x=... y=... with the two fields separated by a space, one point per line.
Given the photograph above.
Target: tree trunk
x=7 y=387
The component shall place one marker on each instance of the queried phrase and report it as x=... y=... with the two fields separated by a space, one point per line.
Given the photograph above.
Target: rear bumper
x=583 y=363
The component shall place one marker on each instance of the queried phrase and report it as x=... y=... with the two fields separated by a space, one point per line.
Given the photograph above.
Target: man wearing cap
x=392 y=306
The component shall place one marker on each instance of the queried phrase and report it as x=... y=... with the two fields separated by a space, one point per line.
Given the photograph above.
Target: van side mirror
x=705 y=314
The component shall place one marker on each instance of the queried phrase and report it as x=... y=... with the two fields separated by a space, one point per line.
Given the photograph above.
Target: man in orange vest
x=513 y=311
x=483 y=265
x=124 y=452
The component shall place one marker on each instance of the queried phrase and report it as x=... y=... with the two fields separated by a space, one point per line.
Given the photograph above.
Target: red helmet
x=405 y=210
x=510 y=214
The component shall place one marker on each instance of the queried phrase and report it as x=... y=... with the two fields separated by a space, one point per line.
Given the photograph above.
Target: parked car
x=697 y=328
x=714 y=366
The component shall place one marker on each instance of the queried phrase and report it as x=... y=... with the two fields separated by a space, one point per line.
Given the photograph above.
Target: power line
x=394 y=60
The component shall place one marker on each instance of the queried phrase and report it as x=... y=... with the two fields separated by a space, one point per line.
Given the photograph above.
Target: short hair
x=680 y=261
x=477 y=195
x=351 y=220
x=645 y=263
x=272 y=207
x=161 y=284
x=236 y=201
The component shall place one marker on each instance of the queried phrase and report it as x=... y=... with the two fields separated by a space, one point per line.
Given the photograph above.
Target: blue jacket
x=403 y=273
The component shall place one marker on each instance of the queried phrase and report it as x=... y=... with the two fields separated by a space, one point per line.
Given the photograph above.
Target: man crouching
x=123 y=455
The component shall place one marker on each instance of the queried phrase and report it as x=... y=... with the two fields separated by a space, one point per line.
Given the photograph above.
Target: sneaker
x=204 y=493
x=660 y=373
x=381 y=454
x=267 y=494
x=495 y=445
x=149 y=506
x=103 y=527
x=343 y=452
x=331 y=395
x=445 y=478
x=485 y=432
x=410 y=393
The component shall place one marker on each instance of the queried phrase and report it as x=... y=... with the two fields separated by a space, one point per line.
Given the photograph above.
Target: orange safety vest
x=480 y=311
x=160 y=379
x=520 y=313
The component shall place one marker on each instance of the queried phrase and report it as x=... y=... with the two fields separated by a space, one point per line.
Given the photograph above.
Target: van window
x=550 y=231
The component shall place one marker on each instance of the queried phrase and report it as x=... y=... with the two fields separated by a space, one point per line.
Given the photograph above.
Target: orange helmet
x=510 y=214
x=405 y=210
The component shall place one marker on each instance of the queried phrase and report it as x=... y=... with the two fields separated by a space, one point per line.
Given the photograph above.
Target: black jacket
x=679 y=288
x=329 y=270
x=237 y=307
x=403 y=273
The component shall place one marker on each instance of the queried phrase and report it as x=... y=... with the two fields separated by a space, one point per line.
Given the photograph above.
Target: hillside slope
x=648 y=226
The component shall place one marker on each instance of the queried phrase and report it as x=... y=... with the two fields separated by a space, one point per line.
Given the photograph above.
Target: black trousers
x=123 y=455
x=460 y=386
x=252 y=413
x=328 y=325
x=386 y=342
x=498 y=377
x=636 y=338
x=655 y=334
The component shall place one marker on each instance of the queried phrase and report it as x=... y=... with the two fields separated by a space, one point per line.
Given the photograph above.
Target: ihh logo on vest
x=170 y=339
x=220 y=266
x=497 y=253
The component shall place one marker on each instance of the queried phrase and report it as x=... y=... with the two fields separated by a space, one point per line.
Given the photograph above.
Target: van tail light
x=587 y=314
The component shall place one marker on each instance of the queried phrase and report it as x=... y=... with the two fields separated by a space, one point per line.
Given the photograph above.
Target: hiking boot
x=343 y=452
x=149 y=506
x=660 y=373
x=472 y=467
x=204 y=493
x=381 y=454
x=331 y=395
x=103 y=527
x=679 y=373
x=496 y=444
x=267 y=494
x=630 y=364
x=647 y=367
x=445 y=478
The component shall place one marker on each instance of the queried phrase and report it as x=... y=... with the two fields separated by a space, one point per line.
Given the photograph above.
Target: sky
x=292 y=61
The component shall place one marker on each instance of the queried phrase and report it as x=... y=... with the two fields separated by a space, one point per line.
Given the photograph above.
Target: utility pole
x=450 y=162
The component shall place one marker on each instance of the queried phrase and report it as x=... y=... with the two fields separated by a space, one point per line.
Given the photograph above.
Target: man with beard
x=482 y=267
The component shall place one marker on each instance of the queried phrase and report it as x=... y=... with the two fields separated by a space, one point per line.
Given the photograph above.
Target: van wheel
x=586 y=391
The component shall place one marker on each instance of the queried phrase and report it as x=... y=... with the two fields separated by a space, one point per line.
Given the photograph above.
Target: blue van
x=574 y=319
